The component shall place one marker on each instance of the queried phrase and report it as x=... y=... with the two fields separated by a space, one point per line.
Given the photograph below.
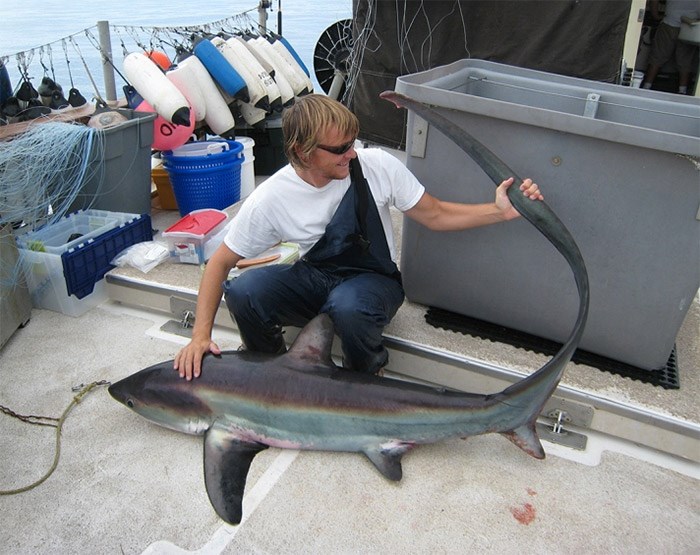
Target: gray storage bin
x=121 y=178
x=620 y=168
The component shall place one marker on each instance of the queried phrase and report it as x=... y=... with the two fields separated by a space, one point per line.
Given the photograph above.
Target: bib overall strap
x=359 y=182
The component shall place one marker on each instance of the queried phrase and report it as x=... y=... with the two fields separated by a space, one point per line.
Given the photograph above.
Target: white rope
x=43 y=169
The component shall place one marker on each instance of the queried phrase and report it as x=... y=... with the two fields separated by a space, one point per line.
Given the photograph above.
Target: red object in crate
x=198 y=222
x=188 y=237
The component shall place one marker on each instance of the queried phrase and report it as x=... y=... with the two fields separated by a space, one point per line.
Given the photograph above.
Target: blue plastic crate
x=64 y=263
x=87 y=263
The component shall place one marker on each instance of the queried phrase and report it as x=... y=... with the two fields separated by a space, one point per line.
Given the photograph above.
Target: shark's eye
x=130 y=403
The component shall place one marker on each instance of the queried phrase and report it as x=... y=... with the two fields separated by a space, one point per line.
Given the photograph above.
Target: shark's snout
x=117 y=391
x=123 y=391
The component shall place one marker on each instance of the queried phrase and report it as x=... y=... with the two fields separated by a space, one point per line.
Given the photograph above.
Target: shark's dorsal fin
x=226 y=463
x=314 y=342
x=387 y=459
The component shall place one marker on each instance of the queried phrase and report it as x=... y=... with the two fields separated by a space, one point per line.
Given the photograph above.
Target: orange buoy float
x=159 y=58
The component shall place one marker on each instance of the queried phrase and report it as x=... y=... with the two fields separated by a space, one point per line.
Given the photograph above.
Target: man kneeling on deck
x=334 y=202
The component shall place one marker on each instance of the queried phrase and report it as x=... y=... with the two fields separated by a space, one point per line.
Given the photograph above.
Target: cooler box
x=64 y=262
x=194 y=238
x=617 y=165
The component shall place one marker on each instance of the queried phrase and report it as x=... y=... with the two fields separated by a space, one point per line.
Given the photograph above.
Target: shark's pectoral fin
x=387 y=458
x=226 y=463
x=526 y=438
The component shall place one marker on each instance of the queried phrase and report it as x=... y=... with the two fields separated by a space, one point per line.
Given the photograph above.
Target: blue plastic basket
x=207 y=181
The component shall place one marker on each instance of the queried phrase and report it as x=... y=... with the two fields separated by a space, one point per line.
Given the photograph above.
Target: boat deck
x=620 y=406
x=124 y=485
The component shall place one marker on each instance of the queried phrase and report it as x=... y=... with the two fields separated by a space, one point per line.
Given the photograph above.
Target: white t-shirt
x=286 y=208
x=676 y=8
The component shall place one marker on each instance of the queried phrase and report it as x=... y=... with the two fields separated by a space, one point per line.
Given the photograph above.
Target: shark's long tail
x=530 y=394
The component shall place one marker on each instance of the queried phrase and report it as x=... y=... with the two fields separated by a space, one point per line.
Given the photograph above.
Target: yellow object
x=36 y=246
x=160 y=177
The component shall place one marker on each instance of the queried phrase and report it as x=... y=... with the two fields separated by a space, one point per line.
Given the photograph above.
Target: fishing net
x=43 y=170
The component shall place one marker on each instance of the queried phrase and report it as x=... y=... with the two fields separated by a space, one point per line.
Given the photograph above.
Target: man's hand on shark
x=188 y=362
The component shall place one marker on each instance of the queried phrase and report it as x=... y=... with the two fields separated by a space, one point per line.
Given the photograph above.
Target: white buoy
x=280 y=64
x=243 y=52
x=184 y=78
x=286 y=90
x=284 y=52
x=156 y=89
x=218 y=115
x=256 y=90
x=251 y=114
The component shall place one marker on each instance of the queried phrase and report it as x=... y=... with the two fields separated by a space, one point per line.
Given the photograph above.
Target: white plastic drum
x=247 y=169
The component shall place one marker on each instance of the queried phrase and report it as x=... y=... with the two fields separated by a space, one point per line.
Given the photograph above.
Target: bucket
x=247 y=168
x=200 y=148
x=207 y=179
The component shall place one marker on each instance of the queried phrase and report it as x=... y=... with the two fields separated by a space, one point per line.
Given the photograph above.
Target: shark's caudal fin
x=528 y=395
x=226 y=463
x=314 y=342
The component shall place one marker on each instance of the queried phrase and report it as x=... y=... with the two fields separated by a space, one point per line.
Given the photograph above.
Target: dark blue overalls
x=347 y=274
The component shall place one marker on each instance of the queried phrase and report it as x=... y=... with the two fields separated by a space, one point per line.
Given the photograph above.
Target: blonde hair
x=310 y=117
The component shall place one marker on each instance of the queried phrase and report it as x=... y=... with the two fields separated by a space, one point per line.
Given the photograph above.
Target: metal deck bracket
x=184 y=310
x=559 y=413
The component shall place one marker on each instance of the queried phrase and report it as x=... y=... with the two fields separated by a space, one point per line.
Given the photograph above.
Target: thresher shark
x=245 y=402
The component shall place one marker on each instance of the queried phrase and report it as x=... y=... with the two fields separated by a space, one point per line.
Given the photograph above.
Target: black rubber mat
x=666 y=377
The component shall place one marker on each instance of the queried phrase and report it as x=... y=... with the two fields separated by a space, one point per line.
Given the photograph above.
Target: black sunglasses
x=342 y=149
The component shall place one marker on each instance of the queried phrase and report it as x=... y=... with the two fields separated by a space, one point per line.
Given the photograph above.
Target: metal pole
x=279 y=17
x=337 y=84
x=262 y=15
x=107 y=67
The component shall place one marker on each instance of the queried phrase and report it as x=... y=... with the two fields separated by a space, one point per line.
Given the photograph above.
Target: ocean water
x=35 y=29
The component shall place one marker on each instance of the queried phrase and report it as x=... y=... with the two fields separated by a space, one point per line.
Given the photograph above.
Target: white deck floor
x=124 y=485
